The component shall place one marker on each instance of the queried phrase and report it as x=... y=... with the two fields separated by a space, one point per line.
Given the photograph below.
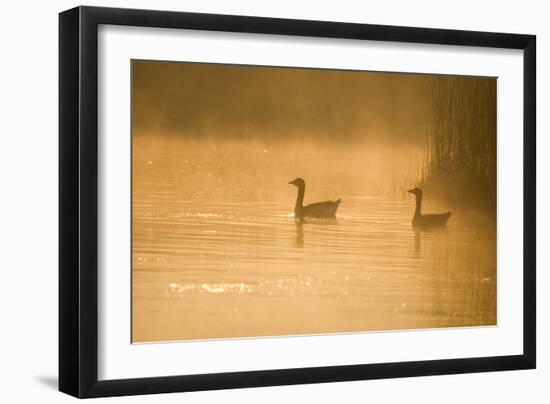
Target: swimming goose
x=315 y=210
x=430 y=220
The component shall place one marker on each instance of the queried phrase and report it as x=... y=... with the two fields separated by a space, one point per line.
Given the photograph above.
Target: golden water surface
x=217 y=252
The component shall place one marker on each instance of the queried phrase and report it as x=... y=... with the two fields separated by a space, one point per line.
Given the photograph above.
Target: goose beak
x=291 y=182
x=411 y=191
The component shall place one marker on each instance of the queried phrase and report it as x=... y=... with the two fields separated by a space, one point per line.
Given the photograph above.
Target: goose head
x=298 y=182
x=416 y=191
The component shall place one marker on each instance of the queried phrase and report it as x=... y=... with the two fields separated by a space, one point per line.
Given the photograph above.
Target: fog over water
x=217 y=252
x=281 y=104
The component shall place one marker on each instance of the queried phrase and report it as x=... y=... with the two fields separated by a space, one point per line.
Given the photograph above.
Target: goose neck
x=418 y=210
x=300 y=198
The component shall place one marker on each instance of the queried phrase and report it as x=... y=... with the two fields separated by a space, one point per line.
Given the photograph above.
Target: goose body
x=431 y=220
x=325 y=209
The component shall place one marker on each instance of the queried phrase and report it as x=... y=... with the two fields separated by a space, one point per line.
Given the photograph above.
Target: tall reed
x=461 y=164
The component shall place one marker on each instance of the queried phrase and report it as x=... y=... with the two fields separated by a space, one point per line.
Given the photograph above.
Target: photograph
x=272 y=201
x=248 y=202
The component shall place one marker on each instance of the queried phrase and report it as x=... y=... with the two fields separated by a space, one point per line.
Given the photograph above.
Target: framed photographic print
x=250 y=201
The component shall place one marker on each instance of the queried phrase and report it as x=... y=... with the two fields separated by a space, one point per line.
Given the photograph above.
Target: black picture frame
x=78 y=201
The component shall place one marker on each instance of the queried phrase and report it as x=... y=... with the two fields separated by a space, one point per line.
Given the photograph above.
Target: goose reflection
x=422 y=235
x=301 y=222
x=417 y=243
x=299 y=233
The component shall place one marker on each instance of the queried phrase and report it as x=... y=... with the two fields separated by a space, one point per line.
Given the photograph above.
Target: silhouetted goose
x=430 y=220
x=315 y=210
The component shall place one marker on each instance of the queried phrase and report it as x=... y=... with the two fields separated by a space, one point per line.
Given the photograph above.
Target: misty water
x=217 y=252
